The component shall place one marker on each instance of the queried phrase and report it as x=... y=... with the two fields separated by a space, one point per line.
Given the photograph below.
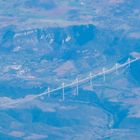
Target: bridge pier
x=63 y=91
x=48 y=91
x=91 y=83
x=104 y=78
x=77 y=86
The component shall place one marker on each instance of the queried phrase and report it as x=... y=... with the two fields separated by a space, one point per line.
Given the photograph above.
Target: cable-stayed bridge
x=89 y=78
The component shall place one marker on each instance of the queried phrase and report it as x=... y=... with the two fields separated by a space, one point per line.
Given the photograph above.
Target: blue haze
x=46 y=42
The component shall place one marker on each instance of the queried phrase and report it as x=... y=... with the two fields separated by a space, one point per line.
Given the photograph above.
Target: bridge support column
x=63 y=91
x=104 y=78
x=77 y=86
x=91 y=83
x=48 y=91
